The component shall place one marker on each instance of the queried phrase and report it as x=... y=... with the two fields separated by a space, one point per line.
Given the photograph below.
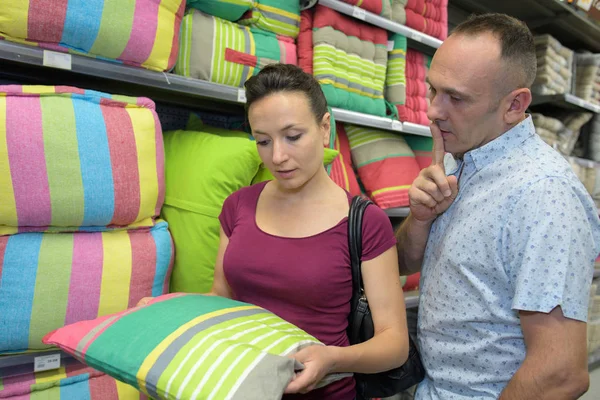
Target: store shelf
x=416 y=38
x=23 y=363
x=372 y=121
x=596 y=273
x=416 y=129
x=568 y=101
x=397 y=212
x=594 y=359
x=572 y=28
x=411 y=299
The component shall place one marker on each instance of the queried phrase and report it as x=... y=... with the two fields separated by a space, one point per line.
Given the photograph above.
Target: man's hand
x=433 y=192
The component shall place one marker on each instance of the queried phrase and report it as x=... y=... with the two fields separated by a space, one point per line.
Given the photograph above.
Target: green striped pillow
x=191 y=346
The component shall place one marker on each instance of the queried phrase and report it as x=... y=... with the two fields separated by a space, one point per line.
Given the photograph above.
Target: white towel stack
x=555 y=66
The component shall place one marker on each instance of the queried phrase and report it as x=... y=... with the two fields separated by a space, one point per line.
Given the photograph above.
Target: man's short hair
x=516 y=41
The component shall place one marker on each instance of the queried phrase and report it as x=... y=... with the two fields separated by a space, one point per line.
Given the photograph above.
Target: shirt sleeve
x=552 y=240
x=229 y=213
x=377 y=233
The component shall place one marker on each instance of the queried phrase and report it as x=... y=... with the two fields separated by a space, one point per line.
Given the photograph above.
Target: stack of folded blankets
x=227 y=42
x=593 y=325
x=587 y=81
x=563 y=131
x=594 y=139
x=414 y=108
x=348 y=58
x=548 y=128
x=555 y=67
x=81 y=187
x=143 y=33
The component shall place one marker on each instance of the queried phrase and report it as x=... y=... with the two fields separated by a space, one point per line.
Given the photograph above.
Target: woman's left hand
x=318 y=361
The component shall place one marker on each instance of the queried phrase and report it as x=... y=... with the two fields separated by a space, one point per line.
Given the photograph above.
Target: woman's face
x=289 y=140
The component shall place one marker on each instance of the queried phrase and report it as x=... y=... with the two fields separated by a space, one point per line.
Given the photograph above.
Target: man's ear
x=326 y=126
x=517 y=103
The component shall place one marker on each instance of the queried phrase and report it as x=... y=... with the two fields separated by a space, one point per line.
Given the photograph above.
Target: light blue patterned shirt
x=522 y=234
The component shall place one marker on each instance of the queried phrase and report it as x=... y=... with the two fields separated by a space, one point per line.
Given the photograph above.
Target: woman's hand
x=318 y=361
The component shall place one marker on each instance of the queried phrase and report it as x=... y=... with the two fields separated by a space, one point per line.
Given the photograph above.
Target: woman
x=284 y=243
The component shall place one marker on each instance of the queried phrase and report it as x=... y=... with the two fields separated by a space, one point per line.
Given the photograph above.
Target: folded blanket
x=547 y=52
x=136 y=32
x=349 y=60
x=548 y=75
x=551 y=124
x=74 y=159
x=220 y=51
x=542 y=41
x=549 y=64
x=379 y=7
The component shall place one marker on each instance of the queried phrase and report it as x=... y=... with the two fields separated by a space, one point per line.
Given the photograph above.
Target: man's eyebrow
x=449 y=91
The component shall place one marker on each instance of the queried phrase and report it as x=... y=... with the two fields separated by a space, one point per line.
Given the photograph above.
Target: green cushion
x=190 y=346
x=202 y=168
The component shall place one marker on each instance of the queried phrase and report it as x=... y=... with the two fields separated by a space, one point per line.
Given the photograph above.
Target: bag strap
x=355 y=218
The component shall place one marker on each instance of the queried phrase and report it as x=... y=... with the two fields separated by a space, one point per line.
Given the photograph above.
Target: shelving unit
x=398 y=212
x=411 y=299
x=568 y=101
x=416 y=39
x=594 y=360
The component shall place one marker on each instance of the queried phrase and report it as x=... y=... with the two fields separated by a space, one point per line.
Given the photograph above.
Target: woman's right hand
x=433 y=192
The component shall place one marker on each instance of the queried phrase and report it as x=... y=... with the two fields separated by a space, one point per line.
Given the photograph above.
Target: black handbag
x=360 y=323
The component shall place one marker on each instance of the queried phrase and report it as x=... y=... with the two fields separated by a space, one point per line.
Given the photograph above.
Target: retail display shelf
x=413 y=35
x=597 y=273
x=416 y=129
x=373 y=121
x=594 y=359
x=24 y=363
x=397 y=212
x=570 y=26
x=411 y=299
x=566 y=101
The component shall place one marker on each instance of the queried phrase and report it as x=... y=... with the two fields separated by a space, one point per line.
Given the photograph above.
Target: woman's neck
x=313 y=189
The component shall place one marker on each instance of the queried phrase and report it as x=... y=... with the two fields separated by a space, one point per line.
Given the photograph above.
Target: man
x=506 y=239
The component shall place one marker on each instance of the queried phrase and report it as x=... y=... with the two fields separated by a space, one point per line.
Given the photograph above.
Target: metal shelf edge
x=569 y=98
x=374 y=121
x=411 y=299
x=11 y=361
x=397 y=212
x=594 y=358
x=381 y=22
x=416 y=129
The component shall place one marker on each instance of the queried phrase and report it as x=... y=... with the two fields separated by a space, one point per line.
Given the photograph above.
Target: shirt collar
x=499 y=147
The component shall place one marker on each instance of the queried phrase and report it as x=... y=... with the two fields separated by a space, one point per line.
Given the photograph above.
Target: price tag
x=417 y=37
x=46 y=363
x=359 y=13
x=241 y=95
x=57 y=60
x=390 y=45
x=397 y=126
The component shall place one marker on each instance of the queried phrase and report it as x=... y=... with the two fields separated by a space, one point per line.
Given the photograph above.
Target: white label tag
x=57 y=60
x=241 y=95
x=397 y=126
x=46 y=363
x=417 y=37
x=359 y=13
x=390 y=45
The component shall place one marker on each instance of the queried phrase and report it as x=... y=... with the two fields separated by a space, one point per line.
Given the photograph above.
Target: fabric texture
x=231 y=10
x=422 y=147
x=342 y=170
x=522 y=234
x=395 y=81
x=191 y=346
x=73 y=159
x=379 y=7
x=135 y=32
x=314 y=288
x=202 y=169
x=428 y=16
x=281 y=17
x=414 y=109
x=385 y=163
x=216 y=50
x=348 y=59
x=48 y=280
x=73 y=381
x=555 y=66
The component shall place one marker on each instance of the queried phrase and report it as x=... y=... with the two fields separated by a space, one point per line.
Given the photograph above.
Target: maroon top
x=306 y=281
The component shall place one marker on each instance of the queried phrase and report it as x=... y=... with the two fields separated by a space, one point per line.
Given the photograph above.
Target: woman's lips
x=286 y=174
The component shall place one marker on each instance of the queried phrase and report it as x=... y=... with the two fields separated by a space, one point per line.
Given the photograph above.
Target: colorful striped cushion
x=191 y=347
x=385 y=164
x=203 y=169
x=342 y=171
x=395 y=82
x=278 y=16
x=349 y=60
x=73 y=159
x=136 y=32
x=72 y=381
x=49 y=280
x=231 y=10
x=422 y=146
x=220 y=51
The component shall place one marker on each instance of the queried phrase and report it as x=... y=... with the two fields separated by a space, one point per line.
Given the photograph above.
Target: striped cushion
x=349 y=61
x=395 y=82
x=191 y=347
x=422 y=146
x=72 y=381
x=75 y=159
x=231 y=10
x=342 y=171
x=220 y=51
x=278 y=16
x=385 y=164
x=136 y=32
x=49 y=280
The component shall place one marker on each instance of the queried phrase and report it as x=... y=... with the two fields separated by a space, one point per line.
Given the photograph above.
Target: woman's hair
x=276 y=78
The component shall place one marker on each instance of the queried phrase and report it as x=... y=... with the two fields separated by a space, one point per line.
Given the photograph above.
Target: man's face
x=466 y=87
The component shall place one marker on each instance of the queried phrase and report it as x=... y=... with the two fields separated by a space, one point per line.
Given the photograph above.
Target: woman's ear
x=326 y=127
